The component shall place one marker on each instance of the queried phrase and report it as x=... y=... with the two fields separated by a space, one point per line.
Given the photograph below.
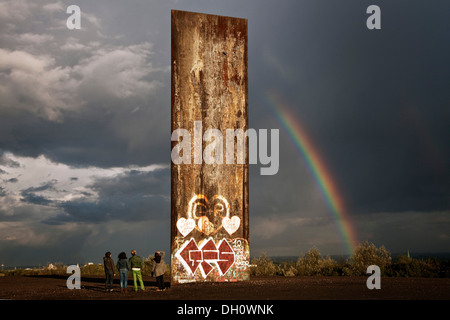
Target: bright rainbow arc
x=317 y=167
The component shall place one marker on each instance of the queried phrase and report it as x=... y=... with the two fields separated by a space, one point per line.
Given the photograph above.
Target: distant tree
x=263 y=266
x=405 y=266
x=367 y=254
x=313 y=264
x=287 y=269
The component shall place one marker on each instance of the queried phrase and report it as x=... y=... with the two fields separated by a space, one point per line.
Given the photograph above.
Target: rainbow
x=316 y=166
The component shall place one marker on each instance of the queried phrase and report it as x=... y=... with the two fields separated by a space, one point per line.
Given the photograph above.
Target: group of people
x=134 y=264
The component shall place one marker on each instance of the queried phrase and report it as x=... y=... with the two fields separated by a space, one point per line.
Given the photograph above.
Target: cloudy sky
x=85 y=125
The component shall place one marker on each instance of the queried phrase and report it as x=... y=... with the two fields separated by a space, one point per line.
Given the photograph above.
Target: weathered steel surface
x=209 y=209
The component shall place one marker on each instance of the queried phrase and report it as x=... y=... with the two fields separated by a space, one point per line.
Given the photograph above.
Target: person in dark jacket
x=122 y=266
x=109 y=270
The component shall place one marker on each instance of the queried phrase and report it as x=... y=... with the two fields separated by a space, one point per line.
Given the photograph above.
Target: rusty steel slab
x=209 y=198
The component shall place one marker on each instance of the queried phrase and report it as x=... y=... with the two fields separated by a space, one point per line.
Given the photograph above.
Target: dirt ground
x=275 y=298
x=258 y=288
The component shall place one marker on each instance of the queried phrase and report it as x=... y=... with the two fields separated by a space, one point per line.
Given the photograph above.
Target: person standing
x=159 y=267
x=136 y=266
x=122 y=266
x=108 y=263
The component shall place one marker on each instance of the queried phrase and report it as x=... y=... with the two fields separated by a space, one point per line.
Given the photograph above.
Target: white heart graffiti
x=231 y=225
x=203 y=224
x=185 y=226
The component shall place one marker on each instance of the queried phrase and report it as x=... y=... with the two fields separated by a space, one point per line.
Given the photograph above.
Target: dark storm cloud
x=373 y=102
x=155 y=182
x=108 y=100
x=33 y=198
x=90 y=140
x=386 y=131
x=65 y=248
x=130 y=135
x=29 y=195
x=50 y=185
x=131 y=196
